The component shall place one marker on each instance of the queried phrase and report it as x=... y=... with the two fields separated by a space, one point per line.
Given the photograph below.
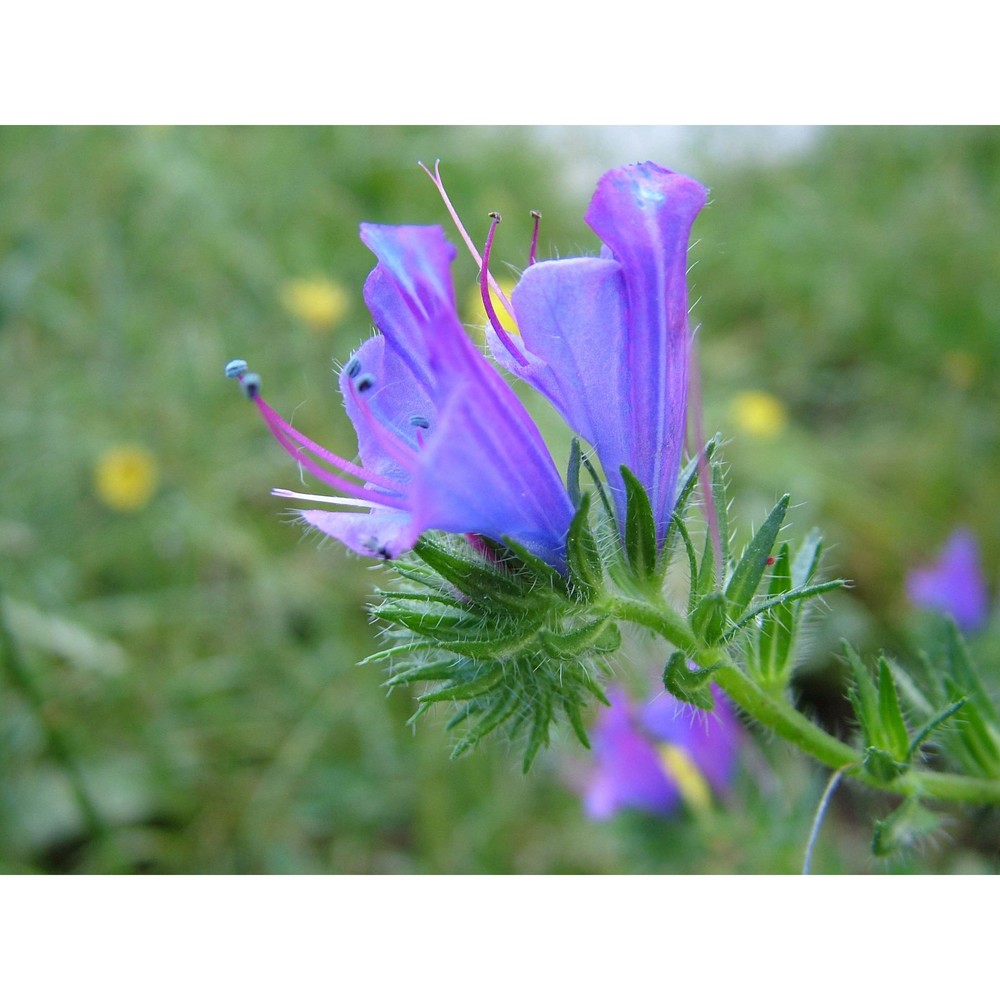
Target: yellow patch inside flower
x=318 y=302
x=691 y=783
x=125 y=477
x=475 y=312
x=759 y=414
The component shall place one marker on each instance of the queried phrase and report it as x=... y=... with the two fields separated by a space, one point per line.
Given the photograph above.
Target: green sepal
x=470 y=576
x=586 y=570
x=746 y=577
x=709 y=618
x=573 y=473
x=881 y=764
x=640 y=529
x=910 y=823
x=599 y=636
x=691 y=686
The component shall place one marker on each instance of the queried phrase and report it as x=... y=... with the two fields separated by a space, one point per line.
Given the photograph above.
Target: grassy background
x=195 y=659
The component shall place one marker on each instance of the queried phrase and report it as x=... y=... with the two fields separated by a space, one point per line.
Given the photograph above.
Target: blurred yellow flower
x=758 y=414
x=125 y=477
x=960 y=368
x=476 y=313
x=318 y=302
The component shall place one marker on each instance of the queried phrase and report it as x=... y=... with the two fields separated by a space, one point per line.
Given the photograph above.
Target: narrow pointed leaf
x=747 y=575
x=893 y=724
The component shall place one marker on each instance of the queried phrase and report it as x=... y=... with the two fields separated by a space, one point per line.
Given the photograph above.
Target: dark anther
x=250 y=384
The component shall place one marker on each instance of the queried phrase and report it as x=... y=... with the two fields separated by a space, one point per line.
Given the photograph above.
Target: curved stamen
x=396 y=499
x=439 y=184
x=532 y=253
x=276 y=423
x=484 y=291
x=321 y=498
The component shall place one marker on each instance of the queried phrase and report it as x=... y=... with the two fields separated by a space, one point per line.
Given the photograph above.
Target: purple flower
x=443 y=441
x=954 y=584
x=606 y=339
x=655 y=756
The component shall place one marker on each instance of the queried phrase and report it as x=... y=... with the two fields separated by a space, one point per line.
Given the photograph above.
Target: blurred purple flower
x=444 y=443
x=657 y=755
x=606 y=339
x=954 y=584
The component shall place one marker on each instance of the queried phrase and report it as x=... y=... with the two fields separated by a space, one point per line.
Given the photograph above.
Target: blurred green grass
x=198 y=657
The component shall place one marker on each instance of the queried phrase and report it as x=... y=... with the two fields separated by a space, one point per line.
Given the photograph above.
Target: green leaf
x=706 y=572
x=747 y=575
x=774 y=642
x=883 y=765
x=721 y=507
x=965 y=674
x=691 y=686
x=806 y=560
x=893 y=725
x=688 y=478
x=709 y=618
x=792 y=597
x=908 y=824
x=864 y=698
x=640 y=528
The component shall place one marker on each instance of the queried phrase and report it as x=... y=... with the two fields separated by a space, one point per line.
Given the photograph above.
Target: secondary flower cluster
x=443 y=441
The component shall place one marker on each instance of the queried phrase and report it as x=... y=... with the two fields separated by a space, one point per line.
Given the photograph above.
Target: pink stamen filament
x=532 y=253
x=395 y=499
x=288 y=437
x=439 y=184
x=281 y=428
x=484 y=290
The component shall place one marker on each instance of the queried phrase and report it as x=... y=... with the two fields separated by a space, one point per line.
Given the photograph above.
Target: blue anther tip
x=236 y=368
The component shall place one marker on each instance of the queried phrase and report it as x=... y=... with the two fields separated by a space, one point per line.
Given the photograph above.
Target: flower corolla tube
x=443 y=441
x=606 y=339
x=954 y=584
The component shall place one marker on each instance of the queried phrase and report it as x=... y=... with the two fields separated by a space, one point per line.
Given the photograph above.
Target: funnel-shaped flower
x=954 y=584
x=443 y=441
x=655 y=757
x=606 y=338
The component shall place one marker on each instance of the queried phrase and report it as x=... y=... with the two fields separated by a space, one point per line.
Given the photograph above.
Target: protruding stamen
x=439 y=184
x=537 y=217
x=353 y=368
x=236 y=368
x=484 y=291
x=365 y=383
x=418 y=421
x=321 y=498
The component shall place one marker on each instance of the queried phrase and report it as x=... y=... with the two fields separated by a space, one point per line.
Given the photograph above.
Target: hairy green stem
x=780 y=716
